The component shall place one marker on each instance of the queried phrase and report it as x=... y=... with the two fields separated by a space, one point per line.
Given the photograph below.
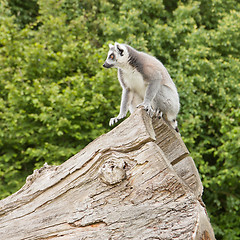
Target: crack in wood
x=180 y=158
x=95 y=224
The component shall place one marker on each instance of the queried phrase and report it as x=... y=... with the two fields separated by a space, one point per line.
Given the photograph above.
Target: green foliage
x=55 y=97
x=25 y=11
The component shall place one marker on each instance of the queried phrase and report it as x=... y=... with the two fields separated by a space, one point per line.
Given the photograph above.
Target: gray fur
x=145 y=82
x=134 y=60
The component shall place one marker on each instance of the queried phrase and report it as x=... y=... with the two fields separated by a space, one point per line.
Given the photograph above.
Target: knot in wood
x=113 y=171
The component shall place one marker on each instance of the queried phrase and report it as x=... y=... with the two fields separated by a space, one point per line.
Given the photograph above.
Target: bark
x=135 y=182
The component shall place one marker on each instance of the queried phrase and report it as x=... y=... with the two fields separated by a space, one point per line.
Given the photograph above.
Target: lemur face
x=117 y=55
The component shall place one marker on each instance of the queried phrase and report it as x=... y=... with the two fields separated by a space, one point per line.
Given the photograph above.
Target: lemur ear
x=119 y=48
x=110 y=45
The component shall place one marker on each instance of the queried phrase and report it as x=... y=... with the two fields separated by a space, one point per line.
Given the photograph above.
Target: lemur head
x=117 y=55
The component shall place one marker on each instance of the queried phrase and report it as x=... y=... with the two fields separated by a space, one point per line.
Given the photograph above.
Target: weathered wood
x=135 y=182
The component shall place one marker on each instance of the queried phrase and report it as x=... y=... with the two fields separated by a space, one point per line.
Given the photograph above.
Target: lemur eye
x=111 y=56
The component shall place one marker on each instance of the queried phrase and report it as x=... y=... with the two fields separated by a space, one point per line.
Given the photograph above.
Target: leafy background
x=55 y=97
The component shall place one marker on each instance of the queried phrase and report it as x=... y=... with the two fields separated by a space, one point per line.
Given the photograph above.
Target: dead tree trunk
x=135 y=182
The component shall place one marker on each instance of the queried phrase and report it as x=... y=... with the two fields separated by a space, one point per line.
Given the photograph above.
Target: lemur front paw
x=115 y=119
x=147 y=107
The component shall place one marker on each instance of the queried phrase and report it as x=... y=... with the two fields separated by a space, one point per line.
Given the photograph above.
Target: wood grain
x=135 y=182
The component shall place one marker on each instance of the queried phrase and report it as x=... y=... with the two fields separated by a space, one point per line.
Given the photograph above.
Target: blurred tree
x=25 y=12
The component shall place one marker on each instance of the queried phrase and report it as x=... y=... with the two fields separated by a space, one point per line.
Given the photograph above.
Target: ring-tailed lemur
x=145 y=82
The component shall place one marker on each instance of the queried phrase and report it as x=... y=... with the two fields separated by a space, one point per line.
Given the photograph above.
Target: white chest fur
x=134 y=81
